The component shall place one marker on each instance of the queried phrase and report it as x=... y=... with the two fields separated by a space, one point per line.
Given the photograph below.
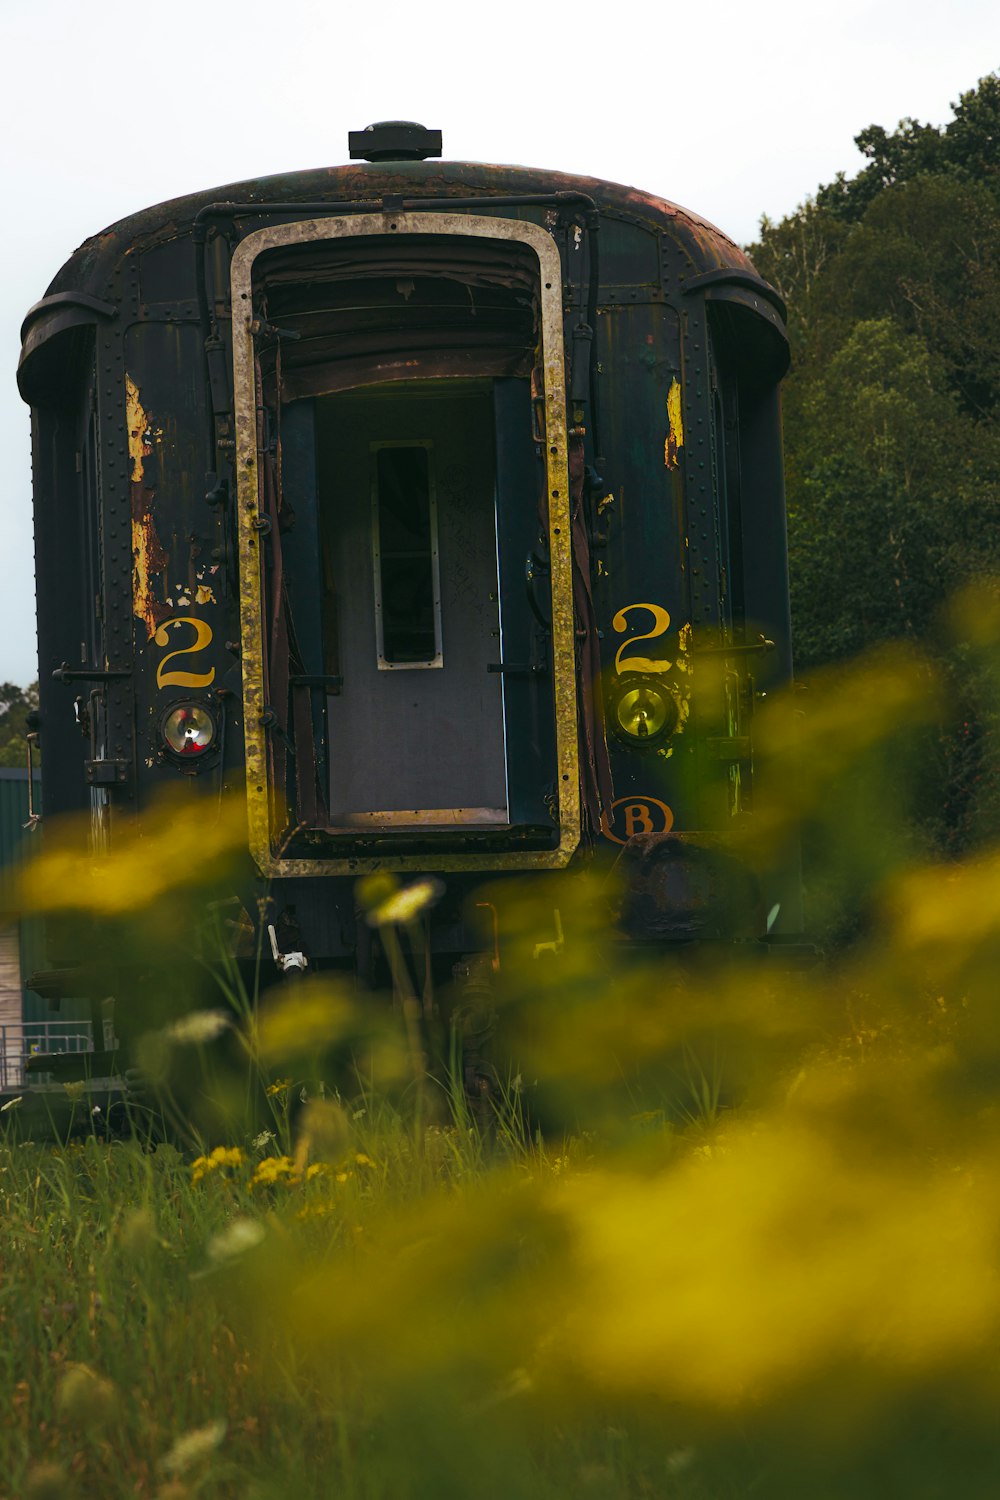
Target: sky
x=732 y=111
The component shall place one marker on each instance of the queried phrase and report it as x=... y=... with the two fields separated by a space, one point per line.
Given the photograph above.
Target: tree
x=967 y=147
x=892 y=415
x=15 y=705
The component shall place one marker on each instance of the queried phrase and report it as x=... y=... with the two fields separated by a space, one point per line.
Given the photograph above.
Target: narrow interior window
x=405 y=542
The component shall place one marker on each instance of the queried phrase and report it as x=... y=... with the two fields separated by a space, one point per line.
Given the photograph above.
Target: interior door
x=408 y=501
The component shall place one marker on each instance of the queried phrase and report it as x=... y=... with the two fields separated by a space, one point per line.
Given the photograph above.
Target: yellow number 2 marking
x=661 y=624
x=202 y=638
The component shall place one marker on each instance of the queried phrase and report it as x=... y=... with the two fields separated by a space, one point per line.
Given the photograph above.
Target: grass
x=132 y=1365
x=739 y=1302
x=724 y=1231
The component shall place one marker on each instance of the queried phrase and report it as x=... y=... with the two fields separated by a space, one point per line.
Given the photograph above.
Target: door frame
x=262 y=833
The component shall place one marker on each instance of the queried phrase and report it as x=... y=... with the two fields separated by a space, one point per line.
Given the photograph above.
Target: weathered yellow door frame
x=259 y=799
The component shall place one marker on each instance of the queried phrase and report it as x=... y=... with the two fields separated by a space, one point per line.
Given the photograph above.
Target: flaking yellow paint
x=675 y=426
x=136 y=421
x=148 y=556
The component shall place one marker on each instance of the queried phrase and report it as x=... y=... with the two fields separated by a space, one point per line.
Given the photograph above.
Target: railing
x=20 y=1040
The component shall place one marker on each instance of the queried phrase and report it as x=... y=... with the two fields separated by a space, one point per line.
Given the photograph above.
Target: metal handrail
x=20 y=1040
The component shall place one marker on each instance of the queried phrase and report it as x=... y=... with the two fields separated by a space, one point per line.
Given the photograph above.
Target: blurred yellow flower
x=312 y=1015
x=222 y=1156
x=406 y=905
x=170 y=849
x=741 y=1277
x=319 y=1210
x=273 y=1169
x=947 y=911
x=85 y=1398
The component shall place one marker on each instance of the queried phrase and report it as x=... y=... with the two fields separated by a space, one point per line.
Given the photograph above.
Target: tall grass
x=730 y=1229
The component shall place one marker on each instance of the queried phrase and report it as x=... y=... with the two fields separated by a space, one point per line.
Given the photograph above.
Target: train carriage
x=437 y=508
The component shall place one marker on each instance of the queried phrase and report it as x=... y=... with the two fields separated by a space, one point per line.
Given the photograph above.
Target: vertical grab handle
x=34 y=818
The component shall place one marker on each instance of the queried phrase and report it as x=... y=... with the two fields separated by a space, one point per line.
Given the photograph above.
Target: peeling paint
x=675 y=426
x=138 y=424
x=148 y=556
x=205 y=595
x=684 y=648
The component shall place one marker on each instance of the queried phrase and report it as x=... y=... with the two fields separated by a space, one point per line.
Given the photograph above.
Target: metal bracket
x=261 y=326
x=65 y=673
x=755 y=646
x=105 y=772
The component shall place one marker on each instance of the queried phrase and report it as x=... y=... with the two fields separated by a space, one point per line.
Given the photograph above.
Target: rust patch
x=675 y=427
x=148 y=556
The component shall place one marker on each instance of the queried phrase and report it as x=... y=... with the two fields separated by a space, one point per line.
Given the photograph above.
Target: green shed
x=28 y=1023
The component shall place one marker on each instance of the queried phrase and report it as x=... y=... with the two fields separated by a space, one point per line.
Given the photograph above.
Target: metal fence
x=20 y=1040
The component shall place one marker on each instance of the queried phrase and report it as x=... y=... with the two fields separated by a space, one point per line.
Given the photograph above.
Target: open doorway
x=401 y=445
x=407 y=494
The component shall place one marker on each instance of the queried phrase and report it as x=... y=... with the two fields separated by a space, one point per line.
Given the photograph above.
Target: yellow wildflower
x=221 y=1156
x=363 y=1160
x=228 y=1156
x=273 y=1169
x=279 y=1086
x=318 y=1210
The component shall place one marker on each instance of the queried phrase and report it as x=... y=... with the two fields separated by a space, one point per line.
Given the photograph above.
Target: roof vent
x=394 y=140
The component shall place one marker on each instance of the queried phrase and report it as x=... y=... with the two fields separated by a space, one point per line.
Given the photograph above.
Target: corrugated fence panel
x=17 y=844
x=15 y=840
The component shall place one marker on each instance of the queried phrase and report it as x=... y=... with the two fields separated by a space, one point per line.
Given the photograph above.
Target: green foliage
x=968 y=147
x=892 y=415
x=15 y=705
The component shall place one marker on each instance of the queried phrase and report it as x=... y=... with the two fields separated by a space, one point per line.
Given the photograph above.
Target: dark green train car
x=438 y=506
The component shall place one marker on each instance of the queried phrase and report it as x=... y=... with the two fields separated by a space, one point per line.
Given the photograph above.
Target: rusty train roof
x=90 y=268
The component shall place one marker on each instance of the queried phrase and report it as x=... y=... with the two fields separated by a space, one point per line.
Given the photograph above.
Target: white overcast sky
x=731 y=110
